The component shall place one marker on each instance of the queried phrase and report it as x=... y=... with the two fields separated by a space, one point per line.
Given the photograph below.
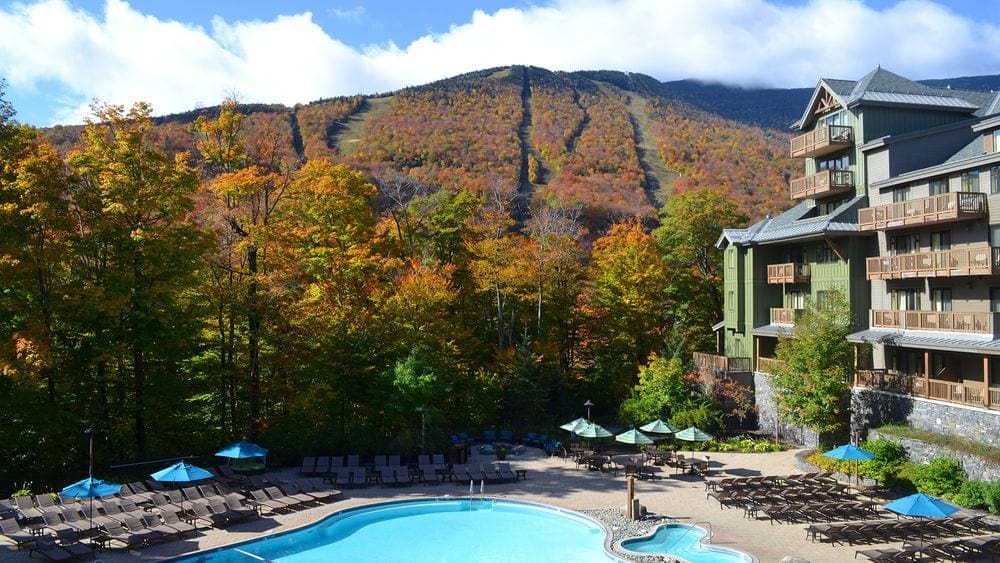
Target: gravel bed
x=622 y=528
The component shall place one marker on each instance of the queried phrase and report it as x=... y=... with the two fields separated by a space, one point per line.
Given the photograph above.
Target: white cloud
x=124 y=55
x=352 y=14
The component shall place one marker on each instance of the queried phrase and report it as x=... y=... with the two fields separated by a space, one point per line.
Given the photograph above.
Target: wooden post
x=986 y=381
x=927 y=374
x=856 y=364
x=756 y=353
x=629 y=497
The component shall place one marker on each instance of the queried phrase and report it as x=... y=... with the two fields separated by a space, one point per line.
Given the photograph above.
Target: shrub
x=744 y=445
x=941 y=476
x=830 y=464
x=889 y=460
x=972 y=495
x=705 y=416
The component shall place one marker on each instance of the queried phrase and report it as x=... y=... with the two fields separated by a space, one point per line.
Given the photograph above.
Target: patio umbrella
x=658 y=427
x=89 y=488
x=850 y=452
x=693 y=434
x=593 y=430
x=242 y=450
x=575 y=425
x=921 y=506
x=181 y=472
x=633 y=436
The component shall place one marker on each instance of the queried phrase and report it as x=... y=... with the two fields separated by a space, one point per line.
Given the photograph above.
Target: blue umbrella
x=921 y=506
x=90 y=488
x=181 y=472
x=850 y=452
x=242 y=450
x=924 y=506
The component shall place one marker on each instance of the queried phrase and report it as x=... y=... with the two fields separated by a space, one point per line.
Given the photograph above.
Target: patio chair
x=336 y=461
x=45 y=503
x=49 y=549
x=11 y=530
x=114 y=531
x=53 y=521
x=75 y=518
x=26 y=507
x=506 y=473
x=322 y=465
x=153 y=522
x=359 y=477
x=71 y=542
x=341 y=477
x=202 y=512
x=171 y=518
x=263 y=501
x=308 y=466
x=380 y=460
x=233 y=515
x=353 y=460
x=297 y=499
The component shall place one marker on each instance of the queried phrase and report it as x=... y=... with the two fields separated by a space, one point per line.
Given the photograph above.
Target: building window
x=941 y=299
x=901 y=194
x=839 y=118
x=995 y=236
x=825 y=254
x=995 y=180
x=996 y=140
x=904 y=244
x=970 y=181
x=905 y=299
x=731 y=300
x=939 y=186
x=941 y=240
x=796 y=299
x=939 y=366
x=995 y=299
x=842 y=162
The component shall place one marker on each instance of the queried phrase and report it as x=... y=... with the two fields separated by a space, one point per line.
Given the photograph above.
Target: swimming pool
x=438 y=530
x=685 y=541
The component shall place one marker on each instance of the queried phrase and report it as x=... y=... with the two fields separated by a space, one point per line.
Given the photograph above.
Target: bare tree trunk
x=253 y=350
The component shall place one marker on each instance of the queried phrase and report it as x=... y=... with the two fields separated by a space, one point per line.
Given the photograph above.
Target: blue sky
x=59 y=55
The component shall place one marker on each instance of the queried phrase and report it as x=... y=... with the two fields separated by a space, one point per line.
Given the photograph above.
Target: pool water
x=441 y=530
x=685 y=541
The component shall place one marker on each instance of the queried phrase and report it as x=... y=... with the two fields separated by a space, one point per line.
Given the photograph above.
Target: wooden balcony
x=824 y=183
x=787 y=273
x=941 y=208
x=970 y=392
x=940 y=321
x=784 y=316
x=721 y=364
x=821 y=141
x=974 y=261
x=767 y=365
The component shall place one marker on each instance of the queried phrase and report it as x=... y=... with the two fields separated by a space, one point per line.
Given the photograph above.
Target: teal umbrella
x=633 y=436
x=921 y=506
x=181 y=472
x=850 y=452
x=89 y=488
x=693 y=434
x=658 y=427
x=242 y=450
x=575 y=425
x=593 y=430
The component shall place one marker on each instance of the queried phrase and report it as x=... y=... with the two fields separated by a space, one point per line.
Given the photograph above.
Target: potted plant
x=501 y=453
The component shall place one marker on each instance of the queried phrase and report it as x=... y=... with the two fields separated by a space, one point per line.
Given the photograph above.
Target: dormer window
x=839 y=118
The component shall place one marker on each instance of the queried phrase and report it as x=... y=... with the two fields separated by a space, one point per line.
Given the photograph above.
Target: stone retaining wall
x=871 y=408
x=767 y=415
x=975 y=467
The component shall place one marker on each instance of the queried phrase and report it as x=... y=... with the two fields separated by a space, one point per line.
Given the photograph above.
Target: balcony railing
x=941 y=208
x=822 y=140
x=787 y=273
x=721 y=364
x=827 y=182
x=943 y=321
x=784 y=316
x=974 y=261
x=767 y=365
x=969 y=392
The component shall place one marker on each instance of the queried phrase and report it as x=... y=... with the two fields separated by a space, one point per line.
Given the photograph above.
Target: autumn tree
x=139 y=251
x=810 y=379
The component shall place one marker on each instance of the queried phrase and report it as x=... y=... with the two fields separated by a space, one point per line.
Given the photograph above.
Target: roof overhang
x=810 y=113
x=928 y=340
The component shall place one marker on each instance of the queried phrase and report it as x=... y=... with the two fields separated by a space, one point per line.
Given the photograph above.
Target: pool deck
x=559 y=483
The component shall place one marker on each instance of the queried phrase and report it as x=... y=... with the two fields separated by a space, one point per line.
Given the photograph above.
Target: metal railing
x=925 y=210
x=980 y=260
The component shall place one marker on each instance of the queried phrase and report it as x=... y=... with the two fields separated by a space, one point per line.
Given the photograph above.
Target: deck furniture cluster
x=390 y=471
x=63 y=528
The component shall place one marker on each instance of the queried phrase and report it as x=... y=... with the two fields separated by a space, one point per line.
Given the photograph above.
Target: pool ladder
x=691 y=527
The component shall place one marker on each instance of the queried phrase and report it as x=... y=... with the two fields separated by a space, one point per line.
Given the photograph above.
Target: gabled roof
x=883 y=87
x=796 y=224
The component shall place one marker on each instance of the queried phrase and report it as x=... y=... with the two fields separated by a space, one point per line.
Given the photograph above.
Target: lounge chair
x=353 y=460
x=233 y=515
x=172 y=519
x=55 y=522
x=71 y=542
x=203 y=513
x=296 y=500
x=336 y=461
x=380 y=461
x=153 y=522
x=322 y=465
x=505 y=472
x=359 y=477
x=49 y=549
x=135 y=525
x=264 y=501
x=11 y=530
x=308 y=466
x=114 y=531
